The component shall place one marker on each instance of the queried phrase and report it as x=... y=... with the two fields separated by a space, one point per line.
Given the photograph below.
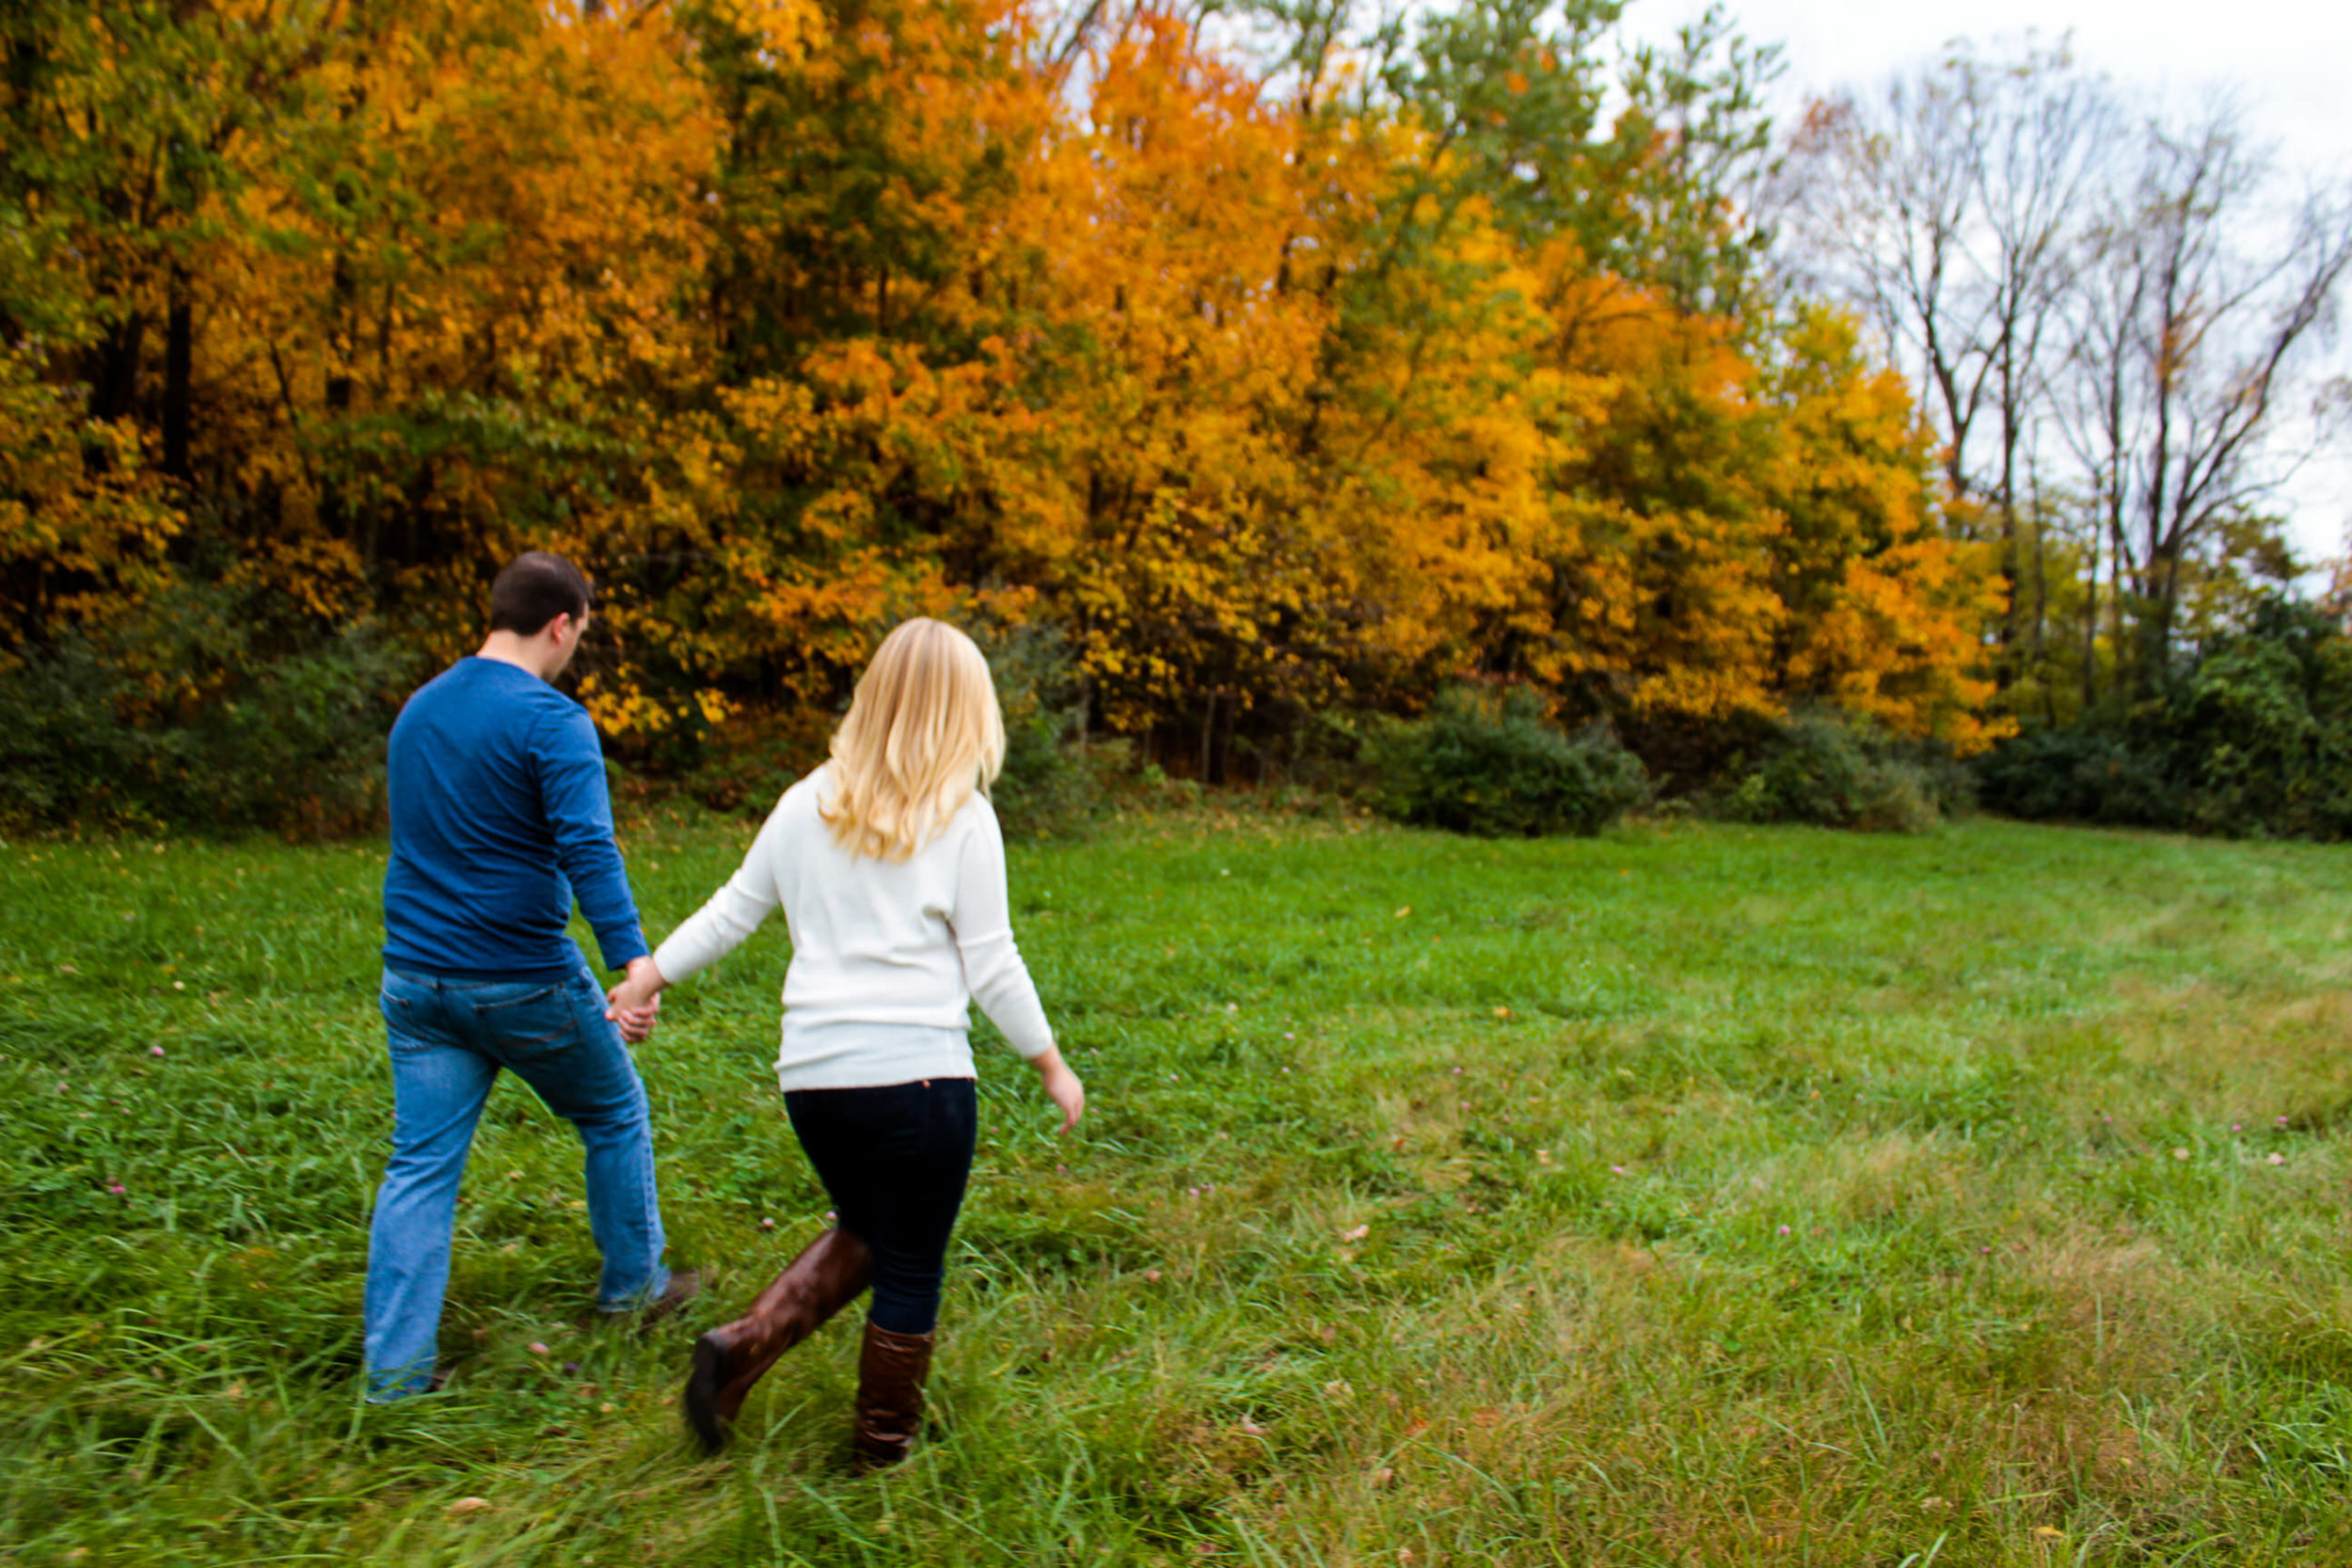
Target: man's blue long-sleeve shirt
x=499 y=816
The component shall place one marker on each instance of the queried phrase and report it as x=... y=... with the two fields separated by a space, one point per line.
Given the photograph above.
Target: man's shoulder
x=492 y=685
x=481 y=699
x=440 y=688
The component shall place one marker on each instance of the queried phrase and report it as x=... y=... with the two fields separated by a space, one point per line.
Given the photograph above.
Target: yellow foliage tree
x=794 y=317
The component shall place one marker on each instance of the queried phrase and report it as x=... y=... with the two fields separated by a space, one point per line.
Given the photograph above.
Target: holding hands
x=636 y=1002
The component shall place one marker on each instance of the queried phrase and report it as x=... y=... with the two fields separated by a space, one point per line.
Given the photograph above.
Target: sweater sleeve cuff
x=1029 y=1050
x=1020 y=1016
x=620 y=948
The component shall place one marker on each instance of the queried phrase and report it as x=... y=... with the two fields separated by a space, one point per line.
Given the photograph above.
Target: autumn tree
x=1275 y=358
x=1949 y=206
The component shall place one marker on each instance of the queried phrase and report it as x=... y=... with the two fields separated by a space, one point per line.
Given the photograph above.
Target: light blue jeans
x=448 y=1039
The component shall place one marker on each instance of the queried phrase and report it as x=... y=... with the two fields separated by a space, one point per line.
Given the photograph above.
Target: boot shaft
x=891 y=1371
x=826 y=1277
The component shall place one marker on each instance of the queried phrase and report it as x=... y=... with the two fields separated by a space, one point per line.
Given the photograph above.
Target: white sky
x=2290 y=60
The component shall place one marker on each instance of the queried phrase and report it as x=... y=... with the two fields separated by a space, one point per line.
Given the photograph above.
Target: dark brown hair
x=534 y=589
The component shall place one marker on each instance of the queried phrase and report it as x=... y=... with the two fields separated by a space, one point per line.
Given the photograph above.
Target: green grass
x=1691 y=1195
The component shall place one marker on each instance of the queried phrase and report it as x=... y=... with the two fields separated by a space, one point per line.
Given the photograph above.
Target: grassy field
x=1691 y=1195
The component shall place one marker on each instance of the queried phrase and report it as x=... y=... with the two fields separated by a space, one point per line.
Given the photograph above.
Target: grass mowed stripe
x=1690 y=1195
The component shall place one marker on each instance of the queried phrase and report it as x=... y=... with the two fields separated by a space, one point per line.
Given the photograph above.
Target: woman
x=890 y=870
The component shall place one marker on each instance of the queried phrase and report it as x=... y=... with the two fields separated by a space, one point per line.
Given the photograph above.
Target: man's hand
x=1061 y=1087
x=635 y=1003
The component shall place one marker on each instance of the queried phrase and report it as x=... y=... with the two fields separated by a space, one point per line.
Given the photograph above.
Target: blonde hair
x=922 y=734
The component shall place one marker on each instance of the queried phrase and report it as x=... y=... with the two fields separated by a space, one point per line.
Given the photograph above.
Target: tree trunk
x=2090 y=628
x=179 y=371
x=2156 y=614
x=340 y=347
x=116 y=382
x=2005 y=668
x=1224 y=770
x=1208 y=736
x=2042 y=616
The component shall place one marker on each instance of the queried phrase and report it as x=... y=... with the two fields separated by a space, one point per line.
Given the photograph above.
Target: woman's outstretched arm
x=999 y=981
x=716 y=929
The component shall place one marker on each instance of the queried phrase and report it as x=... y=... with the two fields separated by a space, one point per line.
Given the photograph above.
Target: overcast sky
x=2291 y=61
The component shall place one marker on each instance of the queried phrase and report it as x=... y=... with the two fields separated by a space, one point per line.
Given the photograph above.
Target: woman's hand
x=635 y=1003
x=1061 y=1087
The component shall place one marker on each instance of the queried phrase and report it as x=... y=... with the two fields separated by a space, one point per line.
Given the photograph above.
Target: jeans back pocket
x=525 y=1017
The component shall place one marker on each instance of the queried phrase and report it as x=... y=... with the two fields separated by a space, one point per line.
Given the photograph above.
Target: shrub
x=2254 y=737
x=1495 y=766
x=1053 y=782
x=262 y=732
x=1832 y=770
x=2262 y=729
x=2089 y=772
x=62 y=744
x=746 y=764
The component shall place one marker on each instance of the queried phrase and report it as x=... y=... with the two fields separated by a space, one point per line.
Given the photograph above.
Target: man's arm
x=579 y=815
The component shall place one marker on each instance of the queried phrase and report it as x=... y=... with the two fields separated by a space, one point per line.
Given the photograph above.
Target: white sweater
x=887 y=956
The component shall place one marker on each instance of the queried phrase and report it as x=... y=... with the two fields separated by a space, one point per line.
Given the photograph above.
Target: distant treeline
x=1229 y=375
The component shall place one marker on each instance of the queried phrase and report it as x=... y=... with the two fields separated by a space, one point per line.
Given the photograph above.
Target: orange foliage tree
x=1271 y=378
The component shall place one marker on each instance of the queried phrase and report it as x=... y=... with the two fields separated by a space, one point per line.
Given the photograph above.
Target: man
x=500 y=817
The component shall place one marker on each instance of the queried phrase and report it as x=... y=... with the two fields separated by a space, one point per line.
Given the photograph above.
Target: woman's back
x=887 y=954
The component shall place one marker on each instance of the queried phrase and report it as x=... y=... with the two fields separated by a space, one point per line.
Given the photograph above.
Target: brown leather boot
x=890 y=1375
x=825 y=1277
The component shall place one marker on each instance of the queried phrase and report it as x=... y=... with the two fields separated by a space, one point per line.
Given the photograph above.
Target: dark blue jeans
x=448 y=1039
x=896 y=1160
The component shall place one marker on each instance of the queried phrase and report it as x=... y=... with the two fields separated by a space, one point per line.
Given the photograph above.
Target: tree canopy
x=1282 y=359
